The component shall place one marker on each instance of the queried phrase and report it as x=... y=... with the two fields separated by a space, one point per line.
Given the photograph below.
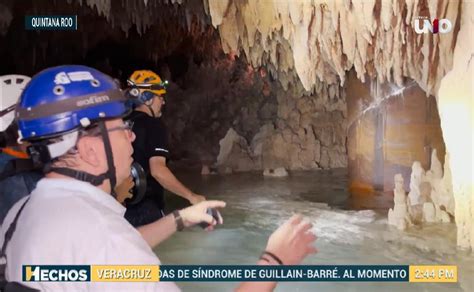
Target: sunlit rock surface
x=389 y=127
x=398 y=216
x=456 y=109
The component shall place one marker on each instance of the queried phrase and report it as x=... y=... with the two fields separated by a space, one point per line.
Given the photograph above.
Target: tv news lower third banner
x=51 y=22
x=238 y=273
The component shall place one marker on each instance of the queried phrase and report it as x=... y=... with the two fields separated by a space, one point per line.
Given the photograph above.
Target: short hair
x=9 y=137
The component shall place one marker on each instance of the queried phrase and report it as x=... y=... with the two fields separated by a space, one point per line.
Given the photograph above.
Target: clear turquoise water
x=257 y=205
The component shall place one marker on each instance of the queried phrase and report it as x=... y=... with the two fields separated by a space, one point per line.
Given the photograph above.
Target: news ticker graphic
x=237 y=273
x=51 y=22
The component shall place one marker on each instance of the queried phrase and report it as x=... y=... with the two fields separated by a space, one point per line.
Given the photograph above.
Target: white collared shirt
x=70 y=222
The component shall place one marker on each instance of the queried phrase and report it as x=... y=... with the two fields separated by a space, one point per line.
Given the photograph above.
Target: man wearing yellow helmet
x=151 y=149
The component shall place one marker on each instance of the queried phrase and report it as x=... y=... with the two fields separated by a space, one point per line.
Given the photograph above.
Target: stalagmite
x=415 y=198
x=441 y=193
x=429 y=213
x=398 y=216
x=430 y=199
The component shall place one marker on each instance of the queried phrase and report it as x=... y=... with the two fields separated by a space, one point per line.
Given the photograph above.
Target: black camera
x=139 y=179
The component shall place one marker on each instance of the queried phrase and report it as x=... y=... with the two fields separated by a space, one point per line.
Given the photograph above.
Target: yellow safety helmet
x=147 y=80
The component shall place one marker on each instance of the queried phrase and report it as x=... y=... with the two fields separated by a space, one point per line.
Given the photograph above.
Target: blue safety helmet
x=59 y=101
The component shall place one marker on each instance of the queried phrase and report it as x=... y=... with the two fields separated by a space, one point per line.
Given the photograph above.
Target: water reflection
x=257 y=205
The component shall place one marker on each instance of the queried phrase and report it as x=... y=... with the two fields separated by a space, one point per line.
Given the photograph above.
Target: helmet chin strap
x=149 y=106
x=90 y=178
x=110 y=174
x=151 y=110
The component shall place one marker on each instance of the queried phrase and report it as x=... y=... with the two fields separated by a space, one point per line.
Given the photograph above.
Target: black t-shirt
x=151 y=140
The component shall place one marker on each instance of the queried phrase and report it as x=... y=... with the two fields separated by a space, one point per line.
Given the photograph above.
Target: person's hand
x=123 y=190
x=198 y=213
x=196 y=199
x=292 y=241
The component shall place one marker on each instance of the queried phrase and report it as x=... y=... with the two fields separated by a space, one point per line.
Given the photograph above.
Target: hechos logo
x=49 y=273
x=437 y=26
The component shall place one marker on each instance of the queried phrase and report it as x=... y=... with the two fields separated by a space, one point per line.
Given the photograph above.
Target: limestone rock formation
x=277 y=172
x=430 y=199
x=205 y=170
x=431 y=196
x=234 y=153
x=320 y=40
x=415 y=198
x=457 y=112
x=309 y=132
x=441 y=188
x=429 y=213
x=388 y=127
x=398 y=216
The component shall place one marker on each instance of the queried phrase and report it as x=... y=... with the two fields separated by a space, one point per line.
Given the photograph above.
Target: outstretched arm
x=291 y=243
x=160 y=230
x=166 y=178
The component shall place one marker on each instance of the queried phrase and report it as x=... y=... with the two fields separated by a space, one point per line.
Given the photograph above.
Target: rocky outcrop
x=293 y=129
x=234 y=153
x=430 y=199
x=389 y=127
x=308 y=132
x=277 y=172
x=456 y=110
x=399 y=216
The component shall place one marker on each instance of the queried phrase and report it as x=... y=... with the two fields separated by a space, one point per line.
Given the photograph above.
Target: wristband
x=178 y=220
x=265 y=259
x=273 y=256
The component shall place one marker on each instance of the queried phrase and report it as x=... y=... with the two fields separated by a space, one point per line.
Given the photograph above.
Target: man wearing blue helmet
x=72 y=116
x=18 y=177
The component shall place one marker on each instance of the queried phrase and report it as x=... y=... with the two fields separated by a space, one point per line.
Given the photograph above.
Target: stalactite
x=309 y=41
x=5 y=16
x=327 y=38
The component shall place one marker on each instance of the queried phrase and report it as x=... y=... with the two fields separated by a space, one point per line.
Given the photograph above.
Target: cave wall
x=261 y=125
x=310 y=131
x=212 y=97
x=389 y=127
x=456 y=107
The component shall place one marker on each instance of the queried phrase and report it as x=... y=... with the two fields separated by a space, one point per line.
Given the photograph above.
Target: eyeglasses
x=95 y=131
x=127 y=126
